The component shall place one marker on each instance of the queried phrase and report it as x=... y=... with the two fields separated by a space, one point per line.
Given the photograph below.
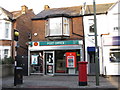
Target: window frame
x=114 y=51
x=62 y=29
x=91 y=25
x=7 y=30
x=6 y=54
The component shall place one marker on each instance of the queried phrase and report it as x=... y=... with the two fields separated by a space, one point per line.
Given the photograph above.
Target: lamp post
x=96 y=46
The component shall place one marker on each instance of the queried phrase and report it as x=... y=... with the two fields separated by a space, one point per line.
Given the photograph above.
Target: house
x=6 y=33
x=111 y=42
x=107 y=30
x=9 y=22
x=23 y=24
x=56 y=33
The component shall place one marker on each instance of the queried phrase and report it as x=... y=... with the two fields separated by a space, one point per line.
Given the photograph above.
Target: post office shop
x=54 y=57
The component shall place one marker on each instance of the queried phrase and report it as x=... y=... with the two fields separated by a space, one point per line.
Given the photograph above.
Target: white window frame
x=91 y=22
x=6 y=53
x=7 y=29
x=113 y=51
x=64 y=29
x=2 y=48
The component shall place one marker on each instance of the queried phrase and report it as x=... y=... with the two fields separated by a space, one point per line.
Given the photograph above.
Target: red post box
x=82 y=66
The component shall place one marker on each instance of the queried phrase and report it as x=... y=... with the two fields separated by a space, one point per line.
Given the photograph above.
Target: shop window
x=114 y=55
x=57 y=27
x=60 y=61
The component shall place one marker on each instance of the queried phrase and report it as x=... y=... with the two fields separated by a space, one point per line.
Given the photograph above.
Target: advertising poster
x=34 y=60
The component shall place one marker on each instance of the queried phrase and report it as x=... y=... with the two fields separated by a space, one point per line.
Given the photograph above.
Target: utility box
x=82 y=66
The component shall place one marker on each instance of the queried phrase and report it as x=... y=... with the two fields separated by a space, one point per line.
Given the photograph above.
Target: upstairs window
x=57 y=27
x=7 y=26
x=91 y=25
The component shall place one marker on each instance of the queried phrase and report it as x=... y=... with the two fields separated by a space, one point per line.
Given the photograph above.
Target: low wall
x=6 y=70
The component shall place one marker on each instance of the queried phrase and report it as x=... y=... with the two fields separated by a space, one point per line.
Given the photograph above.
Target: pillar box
x=82 y=66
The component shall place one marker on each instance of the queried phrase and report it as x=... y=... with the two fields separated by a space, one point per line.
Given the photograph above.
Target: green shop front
x=54 y=57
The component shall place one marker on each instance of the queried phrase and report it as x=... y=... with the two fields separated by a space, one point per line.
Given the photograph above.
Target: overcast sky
x=38 y=5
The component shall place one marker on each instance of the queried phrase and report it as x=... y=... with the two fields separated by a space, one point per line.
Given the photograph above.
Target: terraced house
x=17 y=20
x=57 y=32
x=63 y=36
x=108 y=38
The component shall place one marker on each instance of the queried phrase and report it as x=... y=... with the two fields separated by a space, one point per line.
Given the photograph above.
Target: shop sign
x=60 y=42
x=113 y=41
x=48 y=43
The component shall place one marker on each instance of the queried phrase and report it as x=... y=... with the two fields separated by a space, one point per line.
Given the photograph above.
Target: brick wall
x=5 y=43
x=39 y=28
x=24 y=25
x=76 y=29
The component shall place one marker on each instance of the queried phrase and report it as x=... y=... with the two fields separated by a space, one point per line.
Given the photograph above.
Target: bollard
x=82 y=66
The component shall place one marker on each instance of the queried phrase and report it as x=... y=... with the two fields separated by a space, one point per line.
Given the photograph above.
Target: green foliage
x=9 y=60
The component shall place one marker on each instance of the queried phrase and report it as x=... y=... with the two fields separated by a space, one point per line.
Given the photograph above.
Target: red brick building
x=20 y=21
x=55 y=32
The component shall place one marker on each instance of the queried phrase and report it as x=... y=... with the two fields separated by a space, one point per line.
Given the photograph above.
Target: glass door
x=49 y=62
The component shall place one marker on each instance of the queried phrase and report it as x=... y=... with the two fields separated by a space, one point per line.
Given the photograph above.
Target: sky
x=38 y=5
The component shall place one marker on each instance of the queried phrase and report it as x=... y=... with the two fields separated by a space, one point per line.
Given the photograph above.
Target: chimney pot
x=24 y=9
x=46 y=7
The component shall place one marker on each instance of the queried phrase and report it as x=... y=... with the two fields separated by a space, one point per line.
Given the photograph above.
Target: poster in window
x=49 y=68
x=34 y=60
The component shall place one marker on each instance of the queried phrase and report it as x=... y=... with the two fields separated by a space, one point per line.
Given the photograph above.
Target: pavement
x=39 y=82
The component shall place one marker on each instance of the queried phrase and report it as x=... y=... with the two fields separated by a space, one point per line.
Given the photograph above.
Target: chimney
x=46 y=7
x=83 y=9
x=24 y=9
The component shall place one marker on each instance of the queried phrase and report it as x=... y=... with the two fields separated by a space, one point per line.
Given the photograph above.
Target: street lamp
x=96 y=46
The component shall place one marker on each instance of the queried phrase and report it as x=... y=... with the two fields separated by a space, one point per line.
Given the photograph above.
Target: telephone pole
x=96 y=46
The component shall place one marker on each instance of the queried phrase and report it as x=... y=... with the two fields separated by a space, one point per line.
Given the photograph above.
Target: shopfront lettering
x=59 y=43
x=50 y=43
x=47 y=43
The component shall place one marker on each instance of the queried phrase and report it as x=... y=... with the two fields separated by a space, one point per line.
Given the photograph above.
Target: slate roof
x=72 y=11
x=67 y=11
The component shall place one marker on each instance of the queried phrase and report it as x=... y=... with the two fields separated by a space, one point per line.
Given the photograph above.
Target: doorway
x=92 y=63
x=49 y=62
x=91 y=60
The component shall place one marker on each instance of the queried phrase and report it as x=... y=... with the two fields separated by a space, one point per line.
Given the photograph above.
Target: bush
x=9 y=60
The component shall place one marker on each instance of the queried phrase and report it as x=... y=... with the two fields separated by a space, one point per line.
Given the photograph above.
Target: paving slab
x=61 y=82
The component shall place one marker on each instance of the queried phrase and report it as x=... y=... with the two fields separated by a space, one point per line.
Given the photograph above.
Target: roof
x=100 y=8
x=9 y=14
x=72 y=11
x=67 y=11
x=18 y=13
x=14 y=14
